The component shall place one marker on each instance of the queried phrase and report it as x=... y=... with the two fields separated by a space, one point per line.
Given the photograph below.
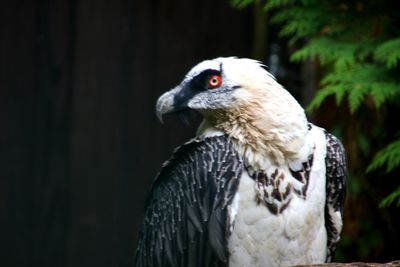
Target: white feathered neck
x=266 y=122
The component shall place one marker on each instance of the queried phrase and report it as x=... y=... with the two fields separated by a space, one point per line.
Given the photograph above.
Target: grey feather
x=336 y=174
x=186 y=218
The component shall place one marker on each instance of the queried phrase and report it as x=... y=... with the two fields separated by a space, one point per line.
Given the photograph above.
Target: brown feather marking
x=276 y=201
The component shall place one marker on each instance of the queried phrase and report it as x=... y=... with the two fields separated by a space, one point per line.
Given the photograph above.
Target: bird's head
x=240 y=98
x=221 y=84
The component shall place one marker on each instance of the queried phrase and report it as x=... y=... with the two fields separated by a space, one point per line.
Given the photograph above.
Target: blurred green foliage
x=356 y=45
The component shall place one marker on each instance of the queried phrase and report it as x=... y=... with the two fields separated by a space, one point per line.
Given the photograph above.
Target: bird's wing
x=336 y=173
x=186 y=221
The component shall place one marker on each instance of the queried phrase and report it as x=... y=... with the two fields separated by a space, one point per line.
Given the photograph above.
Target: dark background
x=79 y=141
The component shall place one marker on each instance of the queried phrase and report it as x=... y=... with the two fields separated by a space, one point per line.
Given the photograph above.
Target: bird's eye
x=215 y=81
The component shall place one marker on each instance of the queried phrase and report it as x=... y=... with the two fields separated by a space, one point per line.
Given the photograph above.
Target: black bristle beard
x=188 y=117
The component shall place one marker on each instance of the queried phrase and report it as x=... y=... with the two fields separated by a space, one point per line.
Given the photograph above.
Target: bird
x=258 y=185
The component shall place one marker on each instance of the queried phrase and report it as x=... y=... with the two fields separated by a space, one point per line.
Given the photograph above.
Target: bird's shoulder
x=214 y=153
x=186 y=220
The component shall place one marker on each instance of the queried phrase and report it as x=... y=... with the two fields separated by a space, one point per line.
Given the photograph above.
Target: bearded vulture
x=258 y=186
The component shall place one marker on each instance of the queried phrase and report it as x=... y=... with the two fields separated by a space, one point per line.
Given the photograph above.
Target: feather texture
x=187 y=220
x=336 y=173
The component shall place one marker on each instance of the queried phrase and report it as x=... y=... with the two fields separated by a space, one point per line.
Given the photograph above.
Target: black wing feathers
x=336 y=174
x=186 y=217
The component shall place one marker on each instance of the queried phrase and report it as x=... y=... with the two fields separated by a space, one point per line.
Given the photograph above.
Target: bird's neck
x=260 y=138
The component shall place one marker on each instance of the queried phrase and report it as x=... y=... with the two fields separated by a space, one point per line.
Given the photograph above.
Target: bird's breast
x=261 y=237
x=280 y=217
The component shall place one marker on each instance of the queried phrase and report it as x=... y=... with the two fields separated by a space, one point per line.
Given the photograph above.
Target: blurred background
x=80 y=143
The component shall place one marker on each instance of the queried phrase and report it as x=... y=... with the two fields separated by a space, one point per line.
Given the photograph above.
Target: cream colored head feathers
x=262 y=118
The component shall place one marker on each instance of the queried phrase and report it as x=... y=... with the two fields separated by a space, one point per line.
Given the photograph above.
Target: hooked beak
x=175 y=100
x=171 y=101
x=165 y=104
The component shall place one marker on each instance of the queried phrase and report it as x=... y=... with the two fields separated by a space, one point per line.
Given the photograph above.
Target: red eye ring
x=215 y=81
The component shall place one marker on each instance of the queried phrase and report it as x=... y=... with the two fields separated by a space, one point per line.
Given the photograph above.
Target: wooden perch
x=354 y=264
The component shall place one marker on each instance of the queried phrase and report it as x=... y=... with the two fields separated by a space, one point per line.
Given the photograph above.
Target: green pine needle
x=389 y=53
x=240 y=4
x=390 y=156
x=391 y=198
x=271 y=4
x=320 y=97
